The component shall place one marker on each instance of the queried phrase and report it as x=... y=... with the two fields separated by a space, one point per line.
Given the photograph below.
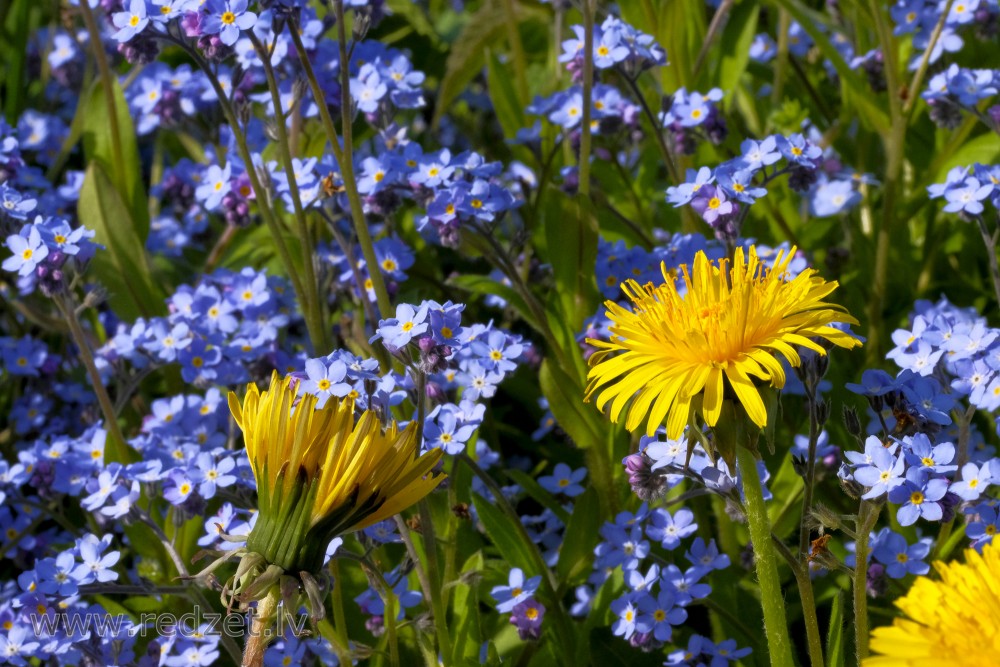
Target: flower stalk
x=867 y=516
x=772 y=602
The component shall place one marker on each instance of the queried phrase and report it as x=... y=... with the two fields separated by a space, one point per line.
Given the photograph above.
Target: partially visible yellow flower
x=711 y=341
x=953 y=621
x=321 y=474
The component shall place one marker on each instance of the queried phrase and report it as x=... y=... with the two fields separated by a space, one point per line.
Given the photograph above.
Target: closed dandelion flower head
x=952 y=621
x=671 y=351
x=321 y=473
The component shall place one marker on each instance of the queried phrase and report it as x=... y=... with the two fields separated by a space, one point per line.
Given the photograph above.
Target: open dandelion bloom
x=951 y=621
x=722 y=332
x=321 y=474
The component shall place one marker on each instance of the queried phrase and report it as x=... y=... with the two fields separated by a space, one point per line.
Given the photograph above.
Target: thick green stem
x=801 y=568
x=260 y=629
x=775 y=626
x=339 y=617
x=867 y=516
x=311 y=306
x=809 y=614
x=350 y=182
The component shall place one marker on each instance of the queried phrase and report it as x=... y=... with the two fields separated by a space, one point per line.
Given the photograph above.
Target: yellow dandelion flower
x=953 y=621
x=723 y=331
x=320 y=473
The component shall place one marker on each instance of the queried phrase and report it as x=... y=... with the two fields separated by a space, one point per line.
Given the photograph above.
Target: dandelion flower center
x=724 y=330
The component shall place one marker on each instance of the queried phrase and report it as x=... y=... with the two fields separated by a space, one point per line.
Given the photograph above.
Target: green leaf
x=510 y=540
x=506 y=104
x=486 y=286
x=535 y=490
x=854 y=90
x=736 y=39
x=15 y=55
x=122 y=266
x=574 y=416
x=577 y=551
x=98 y=146
x=416 y=18
x=835 y=635
x=466 y=623
x=467 y=55
x=571 y=243
x=984 y=149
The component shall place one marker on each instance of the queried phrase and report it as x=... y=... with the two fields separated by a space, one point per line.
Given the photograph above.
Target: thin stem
x=404 y=534
x=668 y=159
x=388 y=596
x=867 y=516
x=718 y=19
x=810 y=479
x=119 y=451
x=990 y=241
x=311 y=306
x=588 y=83
x=781 y=58
x=772 y=602
x=261 y=195
x=331 y=135
x=347 y=169
x=193 y=592
x=925 y=61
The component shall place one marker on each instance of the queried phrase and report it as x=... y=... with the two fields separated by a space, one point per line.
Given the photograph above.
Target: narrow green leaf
x=736 y=39
x=507 y=538
x=484 y=286
x=835 y=634
x=568 y=407
x=98 y=147
x=854 y=89
x=535 y=490
x=984 y=149
x=466 y=622
x=122 y=266
x=15 y=57
x=571 y=242
x=508 y=108
x=416 y=18
x=577 y=551
x=467 y=55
